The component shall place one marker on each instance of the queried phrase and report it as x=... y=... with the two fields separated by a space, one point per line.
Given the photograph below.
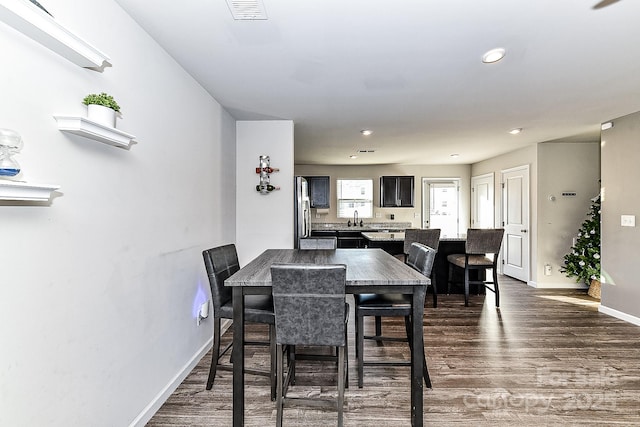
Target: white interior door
x=482 y=201
x=515 y=220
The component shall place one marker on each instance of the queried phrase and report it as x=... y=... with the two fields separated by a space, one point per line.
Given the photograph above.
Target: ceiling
x=411 y=71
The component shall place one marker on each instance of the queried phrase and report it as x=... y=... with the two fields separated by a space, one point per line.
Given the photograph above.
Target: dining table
x=368 y=271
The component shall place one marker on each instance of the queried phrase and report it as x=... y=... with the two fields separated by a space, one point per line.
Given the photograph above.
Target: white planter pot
x=100 y=114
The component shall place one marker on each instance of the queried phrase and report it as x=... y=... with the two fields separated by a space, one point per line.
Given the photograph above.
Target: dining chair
x=221 y=262
x=318 y=243
x=421 y=258
x=429 y=237
x=479 y=243
x=310 y=310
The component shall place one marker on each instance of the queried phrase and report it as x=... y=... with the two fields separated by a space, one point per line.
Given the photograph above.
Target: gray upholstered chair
x=421 y=258
x=319 y=243
x=311 y=310
x=221 y=262
x=427 y=236
x=480 y=243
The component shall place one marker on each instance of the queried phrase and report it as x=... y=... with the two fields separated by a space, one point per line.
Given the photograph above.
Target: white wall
x=563 y=167
x=97 y=290
x=554 y=167
x=263 y=221
x=620 y=175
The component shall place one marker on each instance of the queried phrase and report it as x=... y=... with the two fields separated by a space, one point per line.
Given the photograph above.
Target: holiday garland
x=583 y=262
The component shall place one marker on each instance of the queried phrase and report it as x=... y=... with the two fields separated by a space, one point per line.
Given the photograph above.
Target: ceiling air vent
x=247 y=10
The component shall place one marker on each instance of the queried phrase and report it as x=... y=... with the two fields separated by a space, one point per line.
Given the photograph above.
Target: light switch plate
x=628 y=220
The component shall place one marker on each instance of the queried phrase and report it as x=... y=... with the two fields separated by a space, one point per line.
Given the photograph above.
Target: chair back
x=421 y=258
x=318 y=243
x=220 y=262
x=309 y=303
x=484 y=241
x=428 y=236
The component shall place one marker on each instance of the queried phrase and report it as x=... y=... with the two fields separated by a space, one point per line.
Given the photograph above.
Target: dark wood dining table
x=368 y=271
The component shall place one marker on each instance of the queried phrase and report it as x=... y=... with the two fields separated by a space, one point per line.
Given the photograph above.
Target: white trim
x=93 y=130
x=18 y=190
x=36 y=24
x=149 y=411
x=619 y=315
x=558 y=285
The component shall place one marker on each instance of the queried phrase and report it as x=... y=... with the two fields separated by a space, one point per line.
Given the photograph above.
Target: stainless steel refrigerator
x=302 y=214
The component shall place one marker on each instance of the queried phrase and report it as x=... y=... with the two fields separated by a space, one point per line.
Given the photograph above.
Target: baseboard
x=557 y=285
x=619 y=315
x=148 y=412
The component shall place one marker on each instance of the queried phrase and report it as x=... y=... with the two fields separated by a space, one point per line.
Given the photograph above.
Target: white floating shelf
x=17 y=190
x=93 y=130
x=35 y=23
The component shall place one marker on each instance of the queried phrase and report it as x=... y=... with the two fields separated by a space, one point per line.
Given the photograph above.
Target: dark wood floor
x=546 y=357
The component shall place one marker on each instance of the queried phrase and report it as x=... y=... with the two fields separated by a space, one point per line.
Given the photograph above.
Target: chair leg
x=272 y=354
x=341 y=384
x=360 y=347
x=425 y=371
x=378 y=326
x=292 y=363
x=346 y=356
x=449 y=279
x=279 y=387
x=435 y=290
x=466 y=287
x=215 y=353
x=495 y=286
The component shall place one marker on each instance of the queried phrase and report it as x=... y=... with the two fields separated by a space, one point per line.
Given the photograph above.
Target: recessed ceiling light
x=515 y=131
x=353 y=156
x=606 y=126
x=366 y=132
x=455 y=155
x=494 y=55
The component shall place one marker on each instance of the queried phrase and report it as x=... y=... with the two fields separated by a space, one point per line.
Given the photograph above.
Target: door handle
x=523 y=231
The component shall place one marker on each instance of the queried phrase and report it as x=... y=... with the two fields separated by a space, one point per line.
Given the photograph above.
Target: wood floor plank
x=546 y=357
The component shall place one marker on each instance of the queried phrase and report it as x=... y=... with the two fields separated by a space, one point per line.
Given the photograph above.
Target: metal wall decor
x=265 y=170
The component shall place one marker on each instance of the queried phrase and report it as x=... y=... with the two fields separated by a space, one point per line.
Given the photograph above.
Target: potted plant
x=101 y=108
x=583 y=262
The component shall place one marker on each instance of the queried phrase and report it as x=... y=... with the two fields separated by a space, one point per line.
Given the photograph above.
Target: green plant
x=102 y=99
x=583 y=262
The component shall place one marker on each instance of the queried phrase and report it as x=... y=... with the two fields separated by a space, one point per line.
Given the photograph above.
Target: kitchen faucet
x=355 y=218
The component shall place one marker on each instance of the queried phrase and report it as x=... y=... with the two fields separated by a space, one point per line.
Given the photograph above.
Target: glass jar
x=10 y=144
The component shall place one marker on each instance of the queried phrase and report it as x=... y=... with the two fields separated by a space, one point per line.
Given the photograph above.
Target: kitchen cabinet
x=350 y=239
x=318 y=191
x=346 y=239
x=324 y=233
x=396 y=191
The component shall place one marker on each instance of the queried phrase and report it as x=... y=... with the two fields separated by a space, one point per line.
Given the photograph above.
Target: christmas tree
x=583 y=262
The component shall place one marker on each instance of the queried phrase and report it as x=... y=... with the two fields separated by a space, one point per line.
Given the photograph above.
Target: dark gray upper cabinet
x=396 y=191
x=318 y=191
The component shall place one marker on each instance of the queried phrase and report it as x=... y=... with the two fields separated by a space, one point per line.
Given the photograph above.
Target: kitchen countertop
x=366 y=227
x=399 y=236
x=383 y=237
